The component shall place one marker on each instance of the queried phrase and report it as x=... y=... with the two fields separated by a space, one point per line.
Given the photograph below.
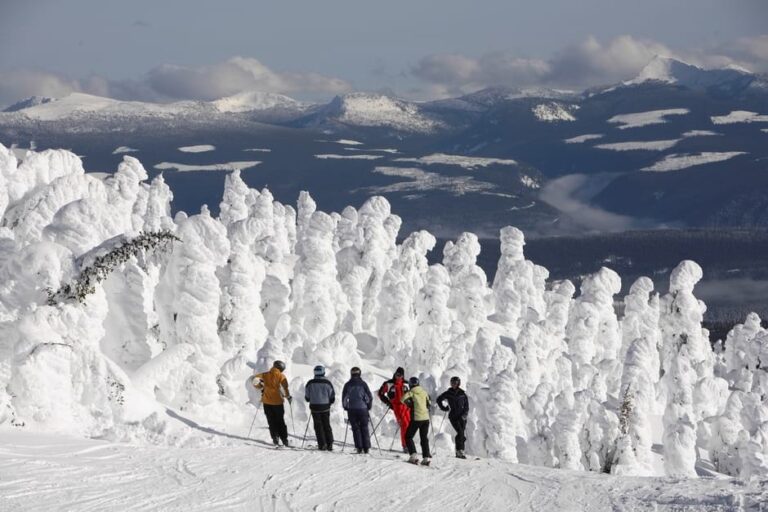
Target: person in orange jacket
x=275 y=386
x=391 y=392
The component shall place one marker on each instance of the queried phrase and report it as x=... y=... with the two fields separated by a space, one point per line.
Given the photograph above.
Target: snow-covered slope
x=29 y=102
x=672 y=71
x=255 y=100
x=224 y=471
x=375 y=110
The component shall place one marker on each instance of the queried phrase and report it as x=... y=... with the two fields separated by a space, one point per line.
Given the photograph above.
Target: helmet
x=413 y=381
x=455 y=380
x=279 y=365
x=319 y=370
x=355 y=371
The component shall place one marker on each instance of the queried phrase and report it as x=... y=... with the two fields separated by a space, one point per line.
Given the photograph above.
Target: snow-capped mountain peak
x=255 y=100
x=366 y=109
x=673 y=71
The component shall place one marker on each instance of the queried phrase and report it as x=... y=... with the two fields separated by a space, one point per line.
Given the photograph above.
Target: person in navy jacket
x=356 y=398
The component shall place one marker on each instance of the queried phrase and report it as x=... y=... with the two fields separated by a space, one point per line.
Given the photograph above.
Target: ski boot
x=426 y=461
x=413 y=459
x=460 y=454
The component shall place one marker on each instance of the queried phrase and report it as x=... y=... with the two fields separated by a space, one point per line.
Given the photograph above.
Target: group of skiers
x=409 y=402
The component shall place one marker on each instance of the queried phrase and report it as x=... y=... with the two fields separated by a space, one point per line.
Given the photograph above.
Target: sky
x=191 y=49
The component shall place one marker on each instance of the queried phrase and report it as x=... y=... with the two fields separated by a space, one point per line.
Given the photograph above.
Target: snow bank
x=554 y=379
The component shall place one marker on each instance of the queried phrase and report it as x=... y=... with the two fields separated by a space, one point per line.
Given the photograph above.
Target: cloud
x=564 y=194
x=236 y=75
x=584 y=64
x=170 y=83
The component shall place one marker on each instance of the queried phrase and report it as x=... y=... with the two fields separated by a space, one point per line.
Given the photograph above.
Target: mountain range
x=677 y=146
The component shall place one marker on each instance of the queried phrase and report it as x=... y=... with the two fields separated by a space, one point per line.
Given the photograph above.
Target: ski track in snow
x=49 y=472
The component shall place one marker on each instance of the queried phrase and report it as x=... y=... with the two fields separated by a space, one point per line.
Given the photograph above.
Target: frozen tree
x=518 y=285
x=594 y=339
x=685 y=350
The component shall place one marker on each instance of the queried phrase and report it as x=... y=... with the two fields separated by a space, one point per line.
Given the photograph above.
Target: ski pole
x=293 y=425
x=346 y=420
x=432 y=428
x=374 y=435
x=382 y=419
x=254 y=421
x=393 y=439
x=305 y=432
x=443 y=421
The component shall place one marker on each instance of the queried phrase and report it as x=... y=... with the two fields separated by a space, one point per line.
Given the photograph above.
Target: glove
x=289 y=398
x=443 y=408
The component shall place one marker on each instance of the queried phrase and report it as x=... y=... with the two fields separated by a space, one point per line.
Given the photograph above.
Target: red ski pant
x=403 y=416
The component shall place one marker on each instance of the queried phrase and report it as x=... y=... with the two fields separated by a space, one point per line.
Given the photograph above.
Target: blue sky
x=177 y=49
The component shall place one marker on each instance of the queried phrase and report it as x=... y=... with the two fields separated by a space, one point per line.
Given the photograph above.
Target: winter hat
x=355 y=371
x=319 y=370
x=456 y=380
x=413 y=381
x=279 y=365
x=399 y=372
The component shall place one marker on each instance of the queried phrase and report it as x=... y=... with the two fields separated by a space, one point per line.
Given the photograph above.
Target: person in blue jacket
x=356 y=398
x=320 y=395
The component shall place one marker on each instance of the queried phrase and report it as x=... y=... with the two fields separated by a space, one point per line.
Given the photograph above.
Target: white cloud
x=170 y=82
x=236 y=75
x=584 y=64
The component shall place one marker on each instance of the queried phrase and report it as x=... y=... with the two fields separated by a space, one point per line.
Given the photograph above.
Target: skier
x=458 y=405
x=356 y=398
x=272 y=398
x=418 y=400
x=391 y=392
x=320 y=395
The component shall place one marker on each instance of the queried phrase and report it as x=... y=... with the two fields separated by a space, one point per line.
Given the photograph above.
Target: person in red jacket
x=390 y=393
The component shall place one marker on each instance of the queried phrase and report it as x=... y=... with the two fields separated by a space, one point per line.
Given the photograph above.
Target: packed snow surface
x=552 y=112
x=48 y=472
x=227 y=166
x=467 y=162
x=200 y=148
x=580 y=139
x=650 y=145
x=639 y=119
x=677 y=162
x=124 y=149
x=740 y=116
x=349 y=157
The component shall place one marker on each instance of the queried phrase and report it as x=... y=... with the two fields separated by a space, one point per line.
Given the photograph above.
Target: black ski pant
x=323 y=431
x=460 y=426
x=276 y=421
x=358 y=421
x=423 y=428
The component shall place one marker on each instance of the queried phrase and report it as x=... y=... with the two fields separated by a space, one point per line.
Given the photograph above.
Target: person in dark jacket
x=458 y=405
x=320 y=395
x=391 y=392
x=357 y=400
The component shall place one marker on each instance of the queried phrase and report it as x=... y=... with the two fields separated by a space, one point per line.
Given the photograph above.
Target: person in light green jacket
x=418 y=400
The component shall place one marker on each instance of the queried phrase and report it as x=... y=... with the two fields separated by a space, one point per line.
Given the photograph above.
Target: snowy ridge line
x=555 y=378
